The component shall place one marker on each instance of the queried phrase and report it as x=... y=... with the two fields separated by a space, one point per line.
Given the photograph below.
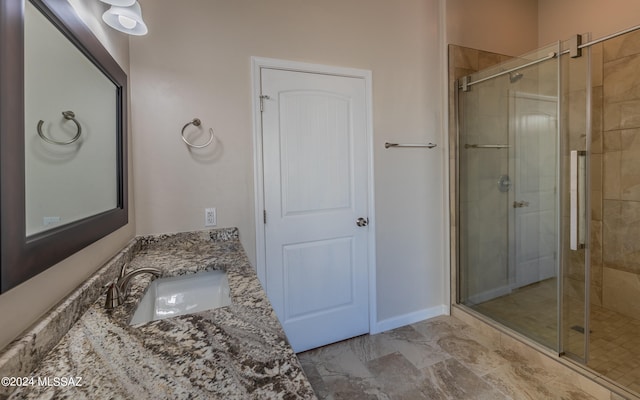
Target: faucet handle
x=114 y=295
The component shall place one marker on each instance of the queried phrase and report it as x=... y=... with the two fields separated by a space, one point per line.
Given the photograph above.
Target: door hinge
x=264 y=216
x=262 y=98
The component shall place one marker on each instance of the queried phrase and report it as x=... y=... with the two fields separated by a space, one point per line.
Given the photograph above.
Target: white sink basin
x=184 y=294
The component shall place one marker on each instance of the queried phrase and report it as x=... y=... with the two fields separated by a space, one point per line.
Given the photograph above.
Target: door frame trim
x=257 y=63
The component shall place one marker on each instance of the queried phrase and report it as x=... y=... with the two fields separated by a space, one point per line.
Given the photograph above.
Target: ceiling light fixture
x=127 y=19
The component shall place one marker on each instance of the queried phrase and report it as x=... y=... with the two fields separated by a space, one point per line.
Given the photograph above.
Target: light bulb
x=127 y=22
x=126 y=19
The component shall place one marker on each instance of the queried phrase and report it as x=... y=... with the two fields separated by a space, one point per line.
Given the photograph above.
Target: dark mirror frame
x=23 y=257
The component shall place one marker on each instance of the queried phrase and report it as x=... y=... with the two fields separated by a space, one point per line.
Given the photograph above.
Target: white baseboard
x=410 y=318
x=490 y=294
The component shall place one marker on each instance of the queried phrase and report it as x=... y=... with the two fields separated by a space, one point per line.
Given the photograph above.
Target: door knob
x=520 y=204
x=362 y=221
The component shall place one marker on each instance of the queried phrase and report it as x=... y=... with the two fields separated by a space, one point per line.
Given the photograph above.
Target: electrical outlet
x=210 y=217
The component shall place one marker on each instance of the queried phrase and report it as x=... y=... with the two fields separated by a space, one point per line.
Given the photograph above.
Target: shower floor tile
x=441 y=358
x=615 y=346
x=530 y=310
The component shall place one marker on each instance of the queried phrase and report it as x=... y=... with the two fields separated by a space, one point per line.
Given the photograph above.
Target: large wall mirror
x=62 y=138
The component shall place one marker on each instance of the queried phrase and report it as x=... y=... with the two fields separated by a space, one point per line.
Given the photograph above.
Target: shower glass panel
x=575 y=137
x=509 y=155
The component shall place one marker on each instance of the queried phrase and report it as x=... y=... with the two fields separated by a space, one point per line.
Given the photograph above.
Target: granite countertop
x=235 y=352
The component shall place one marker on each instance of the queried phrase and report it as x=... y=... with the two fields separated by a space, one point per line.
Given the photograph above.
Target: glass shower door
x=523 y=141
x=509 y=197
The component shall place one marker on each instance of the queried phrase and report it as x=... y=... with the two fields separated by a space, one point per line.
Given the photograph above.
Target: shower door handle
x=577 y=199
x=520 y=204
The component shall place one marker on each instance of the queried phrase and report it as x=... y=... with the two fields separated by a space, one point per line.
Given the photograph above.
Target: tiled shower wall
x=621 y=175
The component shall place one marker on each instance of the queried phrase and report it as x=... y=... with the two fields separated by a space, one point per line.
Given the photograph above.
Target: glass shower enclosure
x=521 y=168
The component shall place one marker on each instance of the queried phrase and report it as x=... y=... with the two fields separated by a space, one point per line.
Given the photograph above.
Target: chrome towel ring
x=69 y=115
x=196 y=122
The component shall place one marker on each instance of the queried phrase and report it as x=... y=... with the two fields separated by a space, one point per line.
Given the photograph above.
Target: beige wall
x=25 y=303
x=507 y=27
x=561 y=19
x=514 y=27
x=195 y=62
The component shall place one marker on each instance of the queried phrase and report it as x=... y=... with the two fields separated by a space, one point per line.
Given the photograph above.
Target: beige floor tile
x=520 y=382
x=450 y=379
x=442 y=358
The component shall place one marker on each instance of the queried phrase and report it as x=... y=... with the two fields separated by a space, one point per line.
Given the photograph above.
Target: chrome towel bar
x=429 y=145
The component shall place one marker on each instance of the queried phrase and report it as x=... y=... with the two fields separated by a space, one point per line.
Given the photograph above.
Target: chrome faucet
x=118 y=290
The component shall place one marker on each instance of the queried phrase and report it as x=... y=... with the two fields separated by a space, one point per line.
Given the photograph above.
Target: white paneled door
x=534 y=168
x=315 y=156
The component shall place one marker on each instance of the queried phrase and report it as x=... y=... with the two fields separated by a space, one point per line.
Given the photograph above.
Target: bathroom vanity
x=234 y=352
